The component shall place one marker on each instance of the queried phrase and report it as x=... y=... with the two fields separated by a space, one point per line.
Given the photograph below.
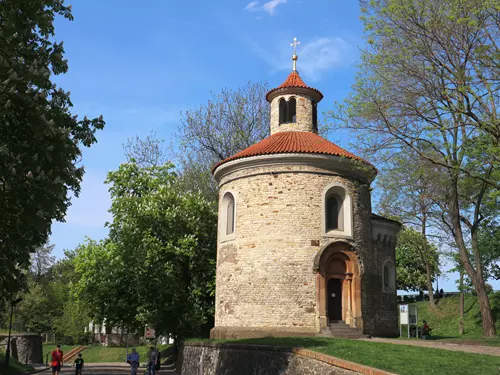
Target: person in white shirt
x=133 y=361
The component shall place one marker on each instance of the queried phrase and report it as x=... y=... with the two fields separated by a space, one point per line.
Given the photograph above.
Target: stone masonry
x=265 y=276
x=304 y=115
x=274 y=270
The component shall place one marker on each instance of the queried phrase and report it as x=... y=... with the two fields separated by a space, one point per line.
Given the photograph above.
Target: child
x=79 y=364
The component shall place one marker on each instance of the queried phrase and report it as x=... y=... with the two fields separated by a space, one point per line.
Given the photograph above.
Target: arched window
x=292 y=110
x=283 y=111
x=230 y=218
x=227 y=215
x=333 y=204
x=315 y=116
x=389 y=277
x=287 y=110
x=337 y=211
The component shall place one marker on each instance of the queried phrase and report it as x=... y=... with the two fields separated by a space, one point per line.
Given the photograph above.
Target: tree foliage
x=230 y=122
x=413 y=253
x=40 y=139
x=429 y=84
x=409 y=193
x=158 y=265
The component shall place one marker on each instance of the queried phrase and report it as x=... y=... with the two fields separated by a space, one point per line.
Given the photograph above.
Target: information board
x=403 y=314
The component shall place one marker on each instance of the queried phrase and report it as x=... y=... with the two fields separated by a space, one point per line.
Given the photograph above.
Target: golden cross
x=295 y=57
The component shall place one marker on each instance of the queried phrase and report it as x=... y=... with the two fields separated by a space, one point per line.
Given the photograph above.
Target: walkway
x=105 y=369
x=479 y=349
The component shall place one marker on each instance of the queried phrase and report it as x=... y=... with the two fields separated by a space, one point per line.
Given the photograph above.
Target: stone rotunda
x=299 y=250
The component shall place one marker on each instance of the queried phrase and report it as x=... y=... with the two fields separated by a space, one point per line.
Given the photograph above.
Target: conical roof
x=293 y=81
x=293 y=142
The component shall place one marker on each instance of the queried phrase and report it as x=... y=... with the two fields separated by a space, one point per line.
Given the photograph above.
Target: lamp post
x=7 y=352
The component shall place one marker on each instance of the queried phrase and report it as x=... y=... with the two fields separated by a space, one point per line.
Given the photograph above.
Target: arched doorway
x=338 y=286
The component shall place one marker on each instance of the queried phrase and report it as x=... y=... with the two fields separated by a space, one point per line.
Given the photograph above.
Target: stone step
x=342 y=330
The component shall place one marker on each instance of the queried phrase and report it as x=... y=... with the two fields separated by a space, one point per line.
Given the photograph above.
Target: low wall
x=26 y=348
x=208 y=358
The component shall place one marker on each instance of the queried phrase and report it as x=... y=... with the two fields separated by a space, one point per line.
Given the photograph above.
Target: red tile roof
x=294 y=80
x=291 y=143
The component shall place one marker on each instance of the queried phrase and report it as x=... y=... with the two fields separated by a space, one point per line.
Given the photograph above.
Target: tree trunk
x=461 y=303
x=476 y=275
x=425 y=258
x=432 y=303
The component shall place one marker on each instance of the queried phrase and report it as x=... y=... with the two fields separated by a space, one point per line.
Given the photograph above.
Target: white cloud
x=268 y=7
x=315 y=57
x=321 y=55
x=252 y=6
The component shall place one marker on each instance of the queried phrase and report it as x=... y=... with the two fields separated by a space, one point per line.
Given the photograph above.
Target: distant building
x=112 y=336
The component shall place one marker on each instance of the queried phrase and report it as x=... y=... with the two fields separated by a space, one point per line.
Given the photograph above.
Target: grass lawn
x=48 y=348
x=14 y=366
x=444 y=319
x=400 y=359
x=99 y=354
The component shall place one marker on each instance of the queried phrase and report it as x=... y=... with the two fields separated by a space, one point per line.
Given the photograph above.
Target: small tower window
x=283 y=111
x=292 y=110
x=288 y=110
x=386 y=276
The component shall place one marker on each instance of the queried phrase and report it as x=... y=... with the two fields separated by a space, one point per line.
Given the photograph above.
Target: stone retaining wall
x=26 y=348
x=208 y=358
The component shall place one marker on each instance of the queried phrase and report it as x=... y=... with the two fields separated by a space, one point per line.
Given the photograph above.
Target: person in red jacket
x=57 y=360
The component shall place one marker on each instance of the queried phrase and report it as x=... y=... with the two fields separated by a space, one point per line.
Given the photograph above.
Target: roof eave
x=309 y=91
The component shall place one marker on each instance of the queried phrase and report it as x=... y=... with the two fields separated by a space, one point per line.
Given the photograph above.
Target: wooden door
x=334 y=299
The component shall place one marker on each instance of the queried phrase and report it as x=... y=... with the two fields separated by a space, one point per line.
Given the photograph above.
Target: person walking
x=133 y=360
x=79 y=362
x=158 y=361
x=57 y=360
x=151 y=360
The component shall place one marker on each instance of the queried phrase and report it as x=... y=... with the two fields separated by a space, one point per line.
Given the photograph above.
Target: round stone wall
x=265 y=275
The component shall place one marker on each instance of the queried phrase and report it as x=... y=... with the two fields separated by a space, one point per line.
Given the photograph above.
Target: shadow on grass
x=290 y=342
x=466 y=310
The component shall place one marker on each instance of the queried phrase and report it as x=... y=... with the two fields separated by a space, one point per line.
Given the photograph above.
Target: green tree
x=40 y=139
x=489 y=246
x=428 y=84
x=414 y=257
x=409 y=194
x=230 y=122
x=158 y=265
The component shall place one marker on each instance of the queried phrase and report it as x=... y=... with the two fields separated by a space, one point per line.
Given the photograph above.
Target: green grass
x=48 y=348
x=99 y=354
x=14 y=366
x=400 y=359
x=444 y=319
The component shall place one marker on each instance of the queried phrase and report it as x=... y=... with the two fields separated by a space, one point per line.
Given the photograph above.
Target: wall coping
x=334 y=361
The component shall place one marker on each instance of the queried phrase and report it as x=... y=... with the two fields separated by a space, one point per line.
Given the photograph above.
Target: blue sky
x=141 y=66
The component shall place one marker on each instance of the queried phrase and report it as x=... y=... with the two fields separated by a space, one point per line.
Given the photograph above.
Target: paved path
x=479 y=349
x=105 y=369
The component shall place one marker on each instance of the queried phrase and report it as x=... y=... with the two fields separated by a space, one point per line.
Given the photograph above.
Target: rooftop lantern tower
x=294 y=105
